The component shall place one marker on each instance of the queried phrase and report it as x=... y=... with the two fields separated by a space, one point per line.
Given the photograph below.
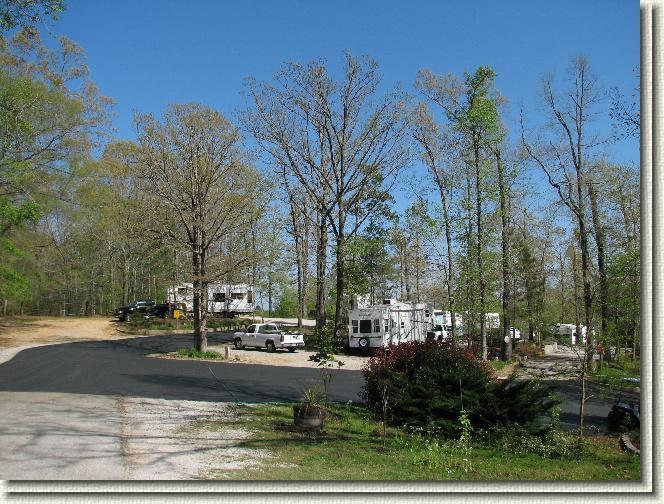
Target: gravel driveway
x=54 y=436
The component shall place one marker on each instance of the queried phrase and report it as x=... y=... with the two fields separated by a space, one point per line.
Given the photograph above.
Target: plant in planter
x=309 y=414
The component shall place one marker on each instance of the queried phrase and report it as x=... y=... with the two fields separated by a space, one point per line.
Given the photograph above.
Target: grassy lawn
x=351 y=448
x=192 y=353
x=612 y=372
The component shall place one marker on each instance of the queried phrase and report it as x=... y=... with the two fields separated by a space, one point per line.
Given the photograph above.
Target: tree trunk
x=340 y=243
x=450 y=264
x=575 y=278
x=601 y=256
x=480 y=266
x=506 y=344
x=200 y=294
x=125 y=281
x=305 y=267
x=321 y=265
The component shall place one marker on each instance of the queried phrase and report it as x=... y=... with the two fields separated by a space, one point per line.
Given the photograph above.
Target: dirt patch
x=299 y=358
x=25 y=331
x=182 y=439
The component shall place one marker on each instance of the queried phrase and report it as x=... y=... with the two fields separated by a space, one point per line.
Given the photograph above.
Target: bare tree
x=198 y=188
x=436 y=155
x=563 y=156
x=344 y=150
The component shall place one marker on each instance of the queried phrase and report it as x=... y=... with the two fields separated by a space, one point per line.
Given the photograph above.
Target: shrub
x=549 y=443
x=196 y=354
x=429 y=384
x=528 y=349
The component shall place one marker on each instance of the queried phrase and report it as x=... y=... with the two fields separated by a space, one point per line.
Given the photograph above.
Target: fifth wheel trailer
x=223 y=299
x=393 y=322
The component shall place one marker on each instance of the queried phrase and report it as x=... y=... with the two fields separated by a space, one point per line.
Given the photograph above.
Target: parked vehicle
x=124 y=313
x=626 y=412
x=393 y=322
x=569 y=331
x=167 y=310
x=223 y=299
x=269 y=336
x=438 y=333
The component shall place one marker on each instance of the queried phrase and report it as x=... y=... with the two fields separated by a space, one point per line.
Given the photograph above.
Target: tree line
x=297 y=196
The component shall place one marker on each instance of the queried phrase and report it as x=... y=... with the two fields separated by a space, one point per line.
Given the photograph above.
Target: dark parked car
x=626 y=411
x=124 y=313
x=165 y=310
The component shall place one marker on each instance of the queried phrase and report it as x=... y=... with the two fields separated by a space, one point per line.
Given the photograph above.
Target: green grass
x=351 y=448
x=613 y=372
x=499 y=365
x=197 y=354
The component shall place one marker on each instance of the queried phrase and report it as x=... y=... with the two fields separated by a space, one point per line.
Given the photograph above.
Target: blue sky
x=146 y=54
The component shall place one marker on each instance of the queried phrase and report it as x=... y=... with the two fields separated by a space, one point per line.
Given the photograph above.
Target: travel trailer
x=392 y=322
x=223 y=299
x=569 y=331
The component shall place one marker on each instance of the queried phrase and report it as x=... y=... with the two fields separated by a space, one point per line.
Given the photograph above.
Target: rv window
x=355 y=326
x=250 y=296
x=365 y=326
x=183 y=291
x=376 y=326
x=403 y=324
x=219 y=297
x=237 y=295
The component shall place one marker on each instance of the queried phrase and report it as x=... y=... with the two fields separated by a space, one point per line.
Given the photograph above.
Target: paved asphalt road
x=121 y=368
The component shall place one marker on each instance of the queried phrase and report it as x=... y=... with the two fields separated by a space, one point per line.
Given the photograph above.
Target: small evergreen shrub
x=429 y=384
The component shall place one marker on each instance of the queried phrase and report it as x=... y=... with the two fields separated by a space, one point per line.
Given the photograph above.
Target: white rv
x=393 y=322
x=444 y=320
x=223 y=299
x=569 y=331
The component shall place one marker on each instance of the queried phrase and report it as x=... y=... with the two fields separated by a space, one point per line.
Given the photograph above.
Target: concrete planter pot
x=309 y=417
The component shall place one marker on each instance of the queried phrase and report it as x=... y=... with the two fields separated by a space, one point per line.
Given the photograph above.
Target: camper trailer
x=223 y=299
x=568 y=331
x=392 y=322
x=442 y=321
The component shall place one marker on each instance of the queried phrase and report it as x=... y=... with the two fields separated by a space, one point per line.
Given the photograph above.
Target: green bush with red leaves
x=425 y=385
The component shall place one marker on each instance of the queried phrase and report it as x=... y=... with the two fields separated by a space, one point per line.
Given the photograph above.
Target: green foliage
x=327 y=344
x=464 y=439
x=550 y=443
x=197 y=354
x=15 y=13
x=13 y=285
x=431 y=383
x=350 y=449
x=287 y=305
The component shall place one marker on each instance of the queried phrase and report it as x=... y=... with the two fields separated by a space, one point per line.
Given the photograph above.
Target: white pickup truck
x=268 y=336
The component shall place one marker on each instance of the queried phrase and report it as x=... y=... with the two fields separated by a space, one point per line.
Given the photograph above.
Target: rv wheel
x=364 y=343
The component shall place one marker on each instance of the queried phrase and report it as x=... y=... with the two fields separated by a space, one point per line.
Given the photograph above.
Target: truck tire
x=270 y=346
x=238 y=343
x=363 y=343
x=291 y=349
x=127 y=317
